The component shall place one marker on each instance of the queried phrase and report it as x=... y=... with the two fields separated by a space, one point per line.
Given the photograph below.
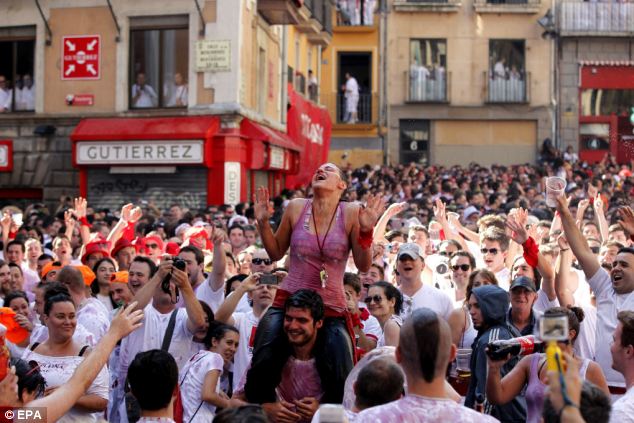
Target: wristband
x=531 y=252
x=12 y=235
x=84 y=221
x=356 y=320
x=365 y=239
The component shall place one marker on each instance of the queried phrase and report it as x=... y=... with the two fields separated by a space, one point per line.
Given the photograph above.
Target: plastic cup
x=463 y=362
x=555 y=187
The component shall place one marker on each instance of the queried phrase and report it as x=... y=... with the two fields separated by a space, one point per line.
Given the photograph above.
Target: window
x=356 y=12
x=159 y=56
x=414 y=141
x=600 y=102
x=354 y=101
x=427 y=77
x=17 y=89
x=507 y=72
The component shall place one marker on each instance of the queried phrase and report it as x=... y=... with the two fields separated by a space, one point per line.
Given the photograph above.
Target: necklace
x=323 y=274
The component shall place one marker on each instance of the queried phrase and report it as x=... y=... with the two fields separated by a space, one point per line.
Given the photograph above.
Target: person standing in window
x=143 y=95
x=499 y=70
x=25 y=97
x=351 y=89
x=5 y=96
x=179 y=92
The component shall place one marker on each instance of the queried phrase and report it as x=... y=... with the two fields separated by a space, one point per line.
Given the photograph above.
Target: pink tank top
x=306 y=261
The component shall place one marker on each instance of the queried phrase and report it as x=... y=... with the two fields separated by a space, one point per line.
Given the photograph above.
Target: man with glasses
x=462 y=263
x=261 y=297
x=5 y=95
x=410 y=264
x=153 y=247
x=494 y=245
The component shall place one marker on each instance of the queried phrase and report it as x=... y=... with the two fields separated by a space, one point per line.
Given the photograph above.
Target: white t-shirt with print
x=609 y=303
x=429 y=297
x=192 y=380
x=94 y=316
x=246 y=323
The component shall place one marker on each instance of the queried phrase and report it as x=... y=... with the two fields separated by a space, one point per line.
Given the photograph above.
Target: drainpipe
x=284 y=97
x=382 y=121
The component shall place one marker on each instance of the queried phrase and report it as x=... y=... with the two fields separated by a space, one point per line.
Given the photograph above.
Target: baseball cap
x=525 y=282
x=469 y=211
x=87 y=274
x=119 y=277
x=410 y=249
x=94 y=248
x=180 y=229
x=47 y=268
x=120 y=245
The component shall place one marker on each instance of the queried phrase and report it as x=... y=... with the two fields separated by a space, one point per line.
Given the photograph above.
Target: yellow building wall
x=206 y=95
x=468 y=34
x=74 y=21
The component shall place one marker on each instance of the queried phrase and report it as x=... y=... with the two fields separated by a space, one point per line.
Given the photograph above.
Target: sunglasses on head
x=264 y=261
x=376 y=298
x=493 y=251
x=463 y=267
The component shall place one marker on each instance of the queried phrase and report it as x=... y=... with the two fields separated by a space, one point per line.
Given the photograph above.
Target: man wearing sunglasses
x=494 y=245
x=410 y=264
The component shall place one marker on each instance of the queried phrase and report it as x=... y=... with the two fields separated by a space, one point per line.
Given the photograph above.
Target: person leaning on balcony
x=351 y=89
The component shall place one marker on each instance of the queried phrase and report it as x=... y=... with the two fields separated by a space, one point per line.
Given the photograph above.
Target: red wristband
x=84 y=221
x=12 y=235
x=531 y=252
x=365 y=239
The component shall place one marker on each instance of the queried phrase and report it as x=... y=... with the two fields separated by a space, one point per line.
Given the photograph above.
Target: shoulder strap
x=83 y=350
x=167 y=339
x=195 y=412
x=34 y=346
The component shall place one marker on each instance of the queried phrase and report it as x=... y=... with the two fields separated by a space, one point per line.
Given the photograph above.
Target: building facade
x=596 y=78
x=184 y=101
x=468 y=81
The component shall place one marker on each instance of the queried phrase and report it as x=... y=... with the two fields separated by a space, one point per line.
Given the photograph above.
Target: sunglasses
x=376 y=298
x=463 y=267
x=595 y=250
x=266 y=262
x=493 y=251
x=444 y=253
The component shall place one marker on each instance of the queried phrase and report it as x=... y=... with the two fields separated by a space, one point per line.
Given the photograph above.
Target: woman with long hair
x=385 y=302
x=60 y=355
x=100 y=287
x=321 y=232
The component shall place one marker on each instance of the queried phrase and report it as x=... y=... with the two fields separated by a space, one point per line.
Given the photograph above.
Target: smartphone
x=268 y=279
x=551 y=330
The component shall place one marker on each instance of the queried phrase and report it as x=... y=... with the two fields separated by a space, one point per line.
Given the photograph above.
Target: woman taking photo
x=531 y=371
x=200 y=380
x=321 y=232
x=385 y=302
x=60 y=355
x=100 y=287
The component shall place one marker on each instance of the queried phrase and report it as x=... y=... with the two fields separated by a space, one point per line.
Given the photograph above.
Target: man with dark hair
x=195 y=260
x=488 y=306
x=378 y=384
x=5 y=279
x=622 y=350
x=237 y=239
x=140 y=271
x=594 y=407
x=367 y=329
x=153 y=376
x=300 y=388
x=424 y=351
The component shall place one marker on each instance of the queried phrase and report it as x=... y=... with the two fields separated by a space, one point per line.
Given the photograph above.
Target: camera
x=178 y=263
x=553 y=328
x=268 y=279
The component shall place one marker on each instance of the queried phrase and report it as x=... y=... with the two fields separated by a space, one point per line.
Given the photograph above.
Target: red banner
x=309 y=126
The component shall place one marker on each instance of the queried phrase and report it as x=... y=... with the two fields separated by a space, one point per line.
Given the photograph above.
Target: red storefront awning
x=607 y=75
x=259 y=132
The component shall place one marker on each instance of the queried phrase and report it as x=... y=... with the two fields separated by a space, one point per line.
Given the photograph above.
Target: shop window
x=600 y=102
x=507 y=72
x=414 y=141
x=159 y=58
x=17 y=84
x=427 y=76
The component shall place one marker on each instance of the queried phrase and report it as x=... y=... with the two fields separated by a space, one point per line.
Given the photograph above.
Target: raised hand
x=626 y=219
x=261 y=205
x=439 y=210
x=598 y=204
x=126 y=321
x=130 y=214
x=563 y=242
x=518 y=231
x=81 y=204
x=218 y=236
x=68 y=218
x=369 y=215
x=6 y=220
x=562 y=204
x=396 y=208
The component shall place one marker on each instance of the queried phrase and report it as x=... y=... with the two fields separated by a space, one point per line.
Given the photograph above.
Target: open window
x=17 y=84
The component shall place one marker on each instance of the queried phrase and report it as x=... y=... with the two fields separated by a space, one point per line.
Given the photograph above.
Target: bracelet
x=84 y=221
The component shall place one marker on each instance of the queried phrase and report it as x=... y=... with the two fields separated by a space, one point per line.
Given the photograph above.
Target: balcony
x=503 y=90
x=596 y=19
x=353 y=14
x=507 y=6
x=421 y=88
x=280 y=12
x=436 y=6
x=367 y=110
x=322 y=12
x=308 y=23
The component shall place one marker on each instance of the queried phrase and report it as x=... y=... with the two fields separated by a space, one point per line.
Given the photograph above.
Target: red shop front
x=606 y=95
x=191 y=161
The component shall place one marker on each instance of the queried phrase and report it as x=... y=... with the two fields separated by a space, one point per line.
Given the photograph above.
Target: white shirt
x=94 y=316
x=542 y=303
x=352 y=87
x=179 y=92
x=5 y=100
x=25 y=98
x=246 y=323
x=213 y=299
x=623 y=408
x=148 y=97
x=191 y=386
x=609 y=303
x=81 y=335
x=371 y=326
x=429 y=297
x=504 y=278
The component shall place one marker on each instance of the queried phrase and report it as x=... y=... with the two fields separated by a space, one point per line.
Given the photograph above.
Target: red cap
x=95 y=247
x=120 y=245
x=155 y=238
x=172 y=249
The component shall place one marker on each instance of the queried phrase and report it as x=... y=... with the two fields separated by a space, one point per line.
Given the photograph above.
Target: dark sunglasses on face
x=266 y=262
x=443 y=253
x=463 y=267
x=376 y=298
x=595 y=250
x=493 y=251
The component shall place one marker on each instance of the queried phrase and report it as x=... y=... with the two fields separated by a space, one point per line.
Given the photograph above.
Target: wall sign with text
x=81 y=57
x=213 y=56
x=6 y=155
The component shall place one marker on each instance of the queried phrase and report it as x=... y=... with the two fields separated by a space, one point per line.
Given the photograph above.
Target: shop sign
x=276 y=157
x=80 y=99
x=232 y=183
x=140 y=152
x=6 y=156
x=213 y=56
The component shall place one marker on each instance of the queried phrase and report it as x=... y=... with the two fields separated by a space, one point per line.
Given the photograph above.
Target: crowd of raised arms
x=376 y=294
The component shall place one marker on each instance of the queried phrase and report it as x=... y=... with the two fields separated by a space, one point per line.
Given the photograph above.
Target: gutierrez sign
x=140 y=152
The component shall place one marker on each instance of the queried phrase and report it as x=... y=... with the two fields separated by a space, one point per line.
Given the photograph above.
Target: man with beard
x=488 y=306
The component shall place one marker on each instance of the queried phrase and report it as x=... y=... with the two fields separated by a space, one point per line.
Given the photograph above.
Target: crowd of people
x=373 y=295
